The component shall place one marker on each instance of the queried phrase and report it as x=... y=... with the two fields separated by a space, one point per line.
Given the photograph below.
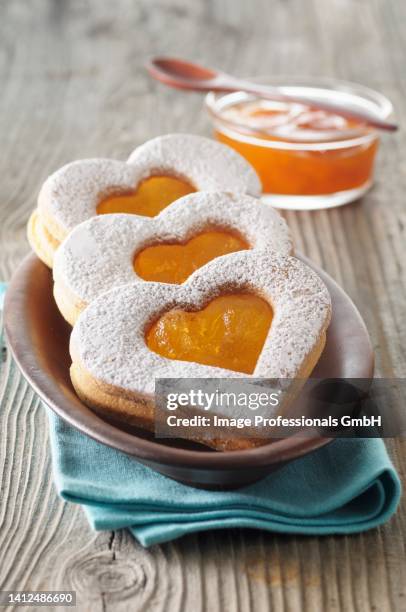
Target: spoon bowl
x=163 y=68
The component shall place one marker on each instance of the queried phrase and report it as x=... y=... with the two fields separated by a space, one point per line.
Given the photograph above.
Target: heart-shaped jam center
x=153 y=195
x=228 y=333
x=173 y=263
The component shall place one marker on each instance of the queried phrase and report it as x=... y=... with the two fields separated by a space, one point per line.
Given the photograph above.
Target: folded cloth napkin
x=346 y=487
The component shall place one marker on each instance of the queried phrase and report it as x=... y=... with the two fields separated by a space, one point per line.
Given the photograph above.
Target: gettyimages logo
x=259 y=408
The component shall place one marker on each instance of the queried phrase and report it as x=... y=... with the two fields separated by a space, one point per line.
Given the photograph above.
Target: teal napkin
x=2 y=294
x=345 y=487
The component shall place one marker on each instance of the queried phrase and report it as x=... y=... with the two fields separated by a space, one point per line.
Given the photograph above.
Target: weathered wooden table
x=72 y=86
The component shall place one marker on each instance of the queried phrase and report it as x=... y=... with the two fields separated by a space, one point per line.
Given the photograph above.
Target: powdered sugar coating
x=71 y=195
x=98 y=254
x=108 y=338
x=206 y=163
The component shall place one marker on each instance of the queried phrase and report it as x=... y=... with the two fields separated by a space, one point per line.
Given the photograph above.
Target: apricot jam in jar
x=306 y=158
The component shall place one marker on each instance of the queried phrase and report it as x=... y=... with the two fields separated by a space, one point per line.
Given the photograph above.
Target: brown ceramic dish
x=39 y=337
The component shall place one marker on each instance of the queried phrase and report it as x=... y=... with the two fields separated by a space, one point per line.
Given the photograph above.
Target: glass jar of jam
x=306 y=158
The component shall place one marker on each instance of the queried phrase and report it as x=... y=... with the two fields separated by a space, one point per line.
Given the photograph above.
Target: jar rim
x=364 y=96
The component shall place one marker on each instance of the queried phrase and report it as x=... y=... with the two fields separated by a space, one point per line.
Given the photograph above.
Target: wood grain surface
x=72 y=86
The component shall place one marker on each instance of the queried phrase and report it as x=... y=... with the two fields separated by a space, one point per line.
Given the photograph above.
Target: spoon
x=194 y=77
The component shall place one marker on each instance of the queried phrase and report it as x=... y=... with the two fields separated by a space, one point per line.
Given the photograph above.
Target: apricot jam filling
x=305 y=164
x=173 y=263
x=153 y=195
x=229 y=332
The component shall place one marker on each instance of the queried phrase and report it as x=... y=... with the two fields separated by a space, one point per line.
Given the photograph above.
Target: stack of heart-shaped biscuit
x=119 y=275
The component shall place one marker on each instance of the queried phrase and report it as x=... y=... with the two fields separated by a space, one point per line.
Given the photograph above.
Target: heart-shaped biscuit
x=111 y=250
x=114 y=364
x=156 y=173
